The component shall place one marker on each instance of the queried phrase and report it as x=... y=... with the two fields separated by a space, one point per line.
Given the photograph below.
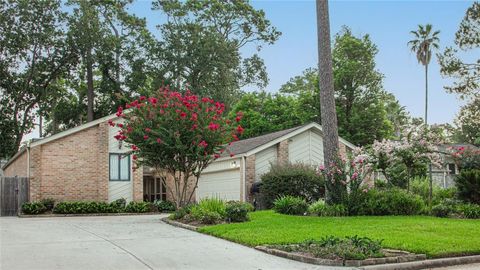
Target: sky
x=387 y=22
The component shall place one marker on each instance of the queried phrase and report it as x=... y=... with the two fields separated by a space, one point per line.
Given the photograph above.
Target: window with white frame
x=119 y=167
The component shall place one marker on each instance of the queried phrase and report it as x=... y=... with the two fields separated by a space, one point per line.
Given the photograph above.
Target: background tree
x=466 y=75
x=201 y=45
x=424 y=41
x=109 y=42
x=34 y=54
x=327 y=95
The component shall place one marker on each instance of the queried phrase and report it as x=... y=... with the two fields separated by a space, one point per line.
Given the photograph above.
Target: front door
x=153 y=189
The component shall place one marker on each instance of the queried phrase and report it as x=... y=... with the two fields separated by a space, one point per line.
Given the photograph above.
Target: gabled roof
x=243 y=146
x=253 y=145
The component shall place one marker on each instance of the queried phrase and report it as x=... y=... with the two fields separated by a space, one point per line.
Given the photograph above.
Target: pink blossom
x=203 y=144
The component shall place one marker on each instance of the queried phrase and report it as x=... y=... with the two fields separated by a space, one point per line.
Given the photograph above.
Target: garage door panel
x=224 y=185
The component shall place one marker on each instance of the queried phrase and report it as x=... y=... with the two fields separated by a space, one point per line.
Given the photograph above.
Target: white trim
x=73 y=130
x=293 y=133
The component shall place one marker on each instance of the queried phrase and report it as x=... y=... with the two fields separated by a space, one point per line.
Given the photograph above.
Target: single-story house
x=87 y=163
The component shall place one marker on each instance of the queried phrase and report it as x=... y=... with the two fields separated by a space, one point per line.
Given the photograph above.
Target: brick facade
x=74 y=167
x=282 y=152
x=250 y=176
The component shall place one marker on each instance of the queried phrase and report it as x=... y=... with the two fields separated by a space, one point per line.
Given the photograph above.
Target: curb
x=179 y=224
x=88 y=215
x=417 y=265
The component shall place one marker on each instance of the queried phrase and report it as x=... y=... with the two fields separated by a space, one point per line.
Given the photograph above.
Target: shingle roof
x=243 y=146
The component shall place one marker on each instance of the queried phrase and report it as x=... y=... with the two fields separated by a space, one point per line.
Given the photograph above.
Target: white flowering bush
x=417 y=145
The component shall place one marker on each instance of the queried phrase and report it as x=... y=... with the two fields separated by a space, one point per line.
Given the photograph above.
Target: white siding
x=263 y=160
x=119 y=189
x=307 y=148
x=223 y=184
x=222 y=165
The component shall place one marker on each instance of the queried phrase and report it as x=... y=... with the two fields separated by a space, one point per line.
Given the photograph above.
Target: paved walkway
x=122 y=243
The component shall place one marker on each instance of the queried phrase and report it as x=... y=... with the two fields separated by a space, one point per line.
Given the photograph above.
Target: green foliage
x=203 y=37
x=138 y=207
x=442 y=210
x=84 y=207
x=334 y=248
x=393 y=201
x=291 y=179
x=468 y=185
x=208 y=211
x=237 y=211
x=290 y=205
x=33 y=208
x=321 y=209
x=35 y=55
x=471 y=211
x=180 y=213
x=48 y=202
x=164 y=206
x=420 y=186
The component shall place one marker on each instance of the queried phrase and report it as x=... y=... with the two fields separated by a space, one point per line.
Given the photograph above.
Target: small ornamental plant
x=179 y=134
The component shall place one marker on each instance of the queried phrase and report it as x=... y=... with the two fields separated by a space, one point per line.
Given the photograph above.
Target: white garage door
x=224 y=185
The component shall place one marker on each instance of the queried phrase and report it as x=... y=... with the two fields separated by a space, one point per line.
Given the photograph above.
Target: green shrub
x=468 y=185
x=119 y=203
x=421 y=186
x=290 y=205
x=49 y=203
x=207 y=211
x=442 y=210
x=164 y=206
x=33 y=208
x=293 y=179
x=84 y=207
x=181 y=212
x=237 y=211
x=321 y=209
x=469 y=210
x=393 y=201
x=331 y=247
x=138 y=207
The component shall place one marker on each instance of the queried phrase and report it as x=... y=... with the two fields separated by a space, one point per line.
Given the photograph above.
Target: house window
x=119 y=167
x=451 y=168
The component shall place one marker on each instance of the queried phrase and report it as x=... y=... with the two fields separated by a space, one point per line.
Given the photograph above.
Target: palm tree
x=327 y=99
x=422 y=44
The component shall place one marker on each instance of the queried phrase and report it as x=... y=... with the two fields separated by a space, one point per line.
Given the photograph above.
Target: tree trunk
x=426 y=94
x=40 y=126
x=90 y=94
x=327 y=98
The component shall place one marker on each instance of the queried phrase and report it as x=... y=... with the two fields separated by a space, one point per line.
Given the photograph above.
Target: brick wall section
x=282 y=152
x=74 y=167
x=342 y=150
x=18 y=167
x=103 y=162
x=137 y=178
x=250 y=176
x=35 y=173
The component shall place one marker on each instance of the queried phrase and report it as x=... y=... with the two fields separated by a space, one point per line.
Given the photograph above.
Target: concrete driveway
x=122 y=242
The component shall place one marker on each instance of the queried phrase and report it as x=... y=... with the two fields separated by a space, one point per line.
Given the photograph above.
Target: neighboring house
x=232 y=178
x=87 y=163
x=445 y=176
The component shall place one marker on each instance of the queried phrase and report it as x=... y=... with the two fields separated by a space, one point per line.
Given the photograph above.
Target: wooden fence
x=14 y=191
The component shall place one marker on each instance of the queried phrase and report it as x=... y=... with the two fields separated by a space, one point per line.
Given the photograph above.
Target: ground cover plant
x=335 y=248
x=435 y=237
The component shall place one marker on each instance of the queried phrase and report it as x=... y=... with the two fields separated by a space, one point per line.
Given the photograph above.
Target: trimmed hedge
x=392 y=201
x=33 y=208
x=296 y=180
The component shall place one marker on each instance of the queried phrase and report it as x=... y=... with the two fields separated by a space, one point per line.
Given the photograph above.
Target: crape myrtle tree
x=179 y=134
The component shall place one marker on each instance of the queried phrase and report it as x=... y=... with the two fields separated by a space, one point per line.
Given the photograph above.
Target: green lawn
x=436 y=237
